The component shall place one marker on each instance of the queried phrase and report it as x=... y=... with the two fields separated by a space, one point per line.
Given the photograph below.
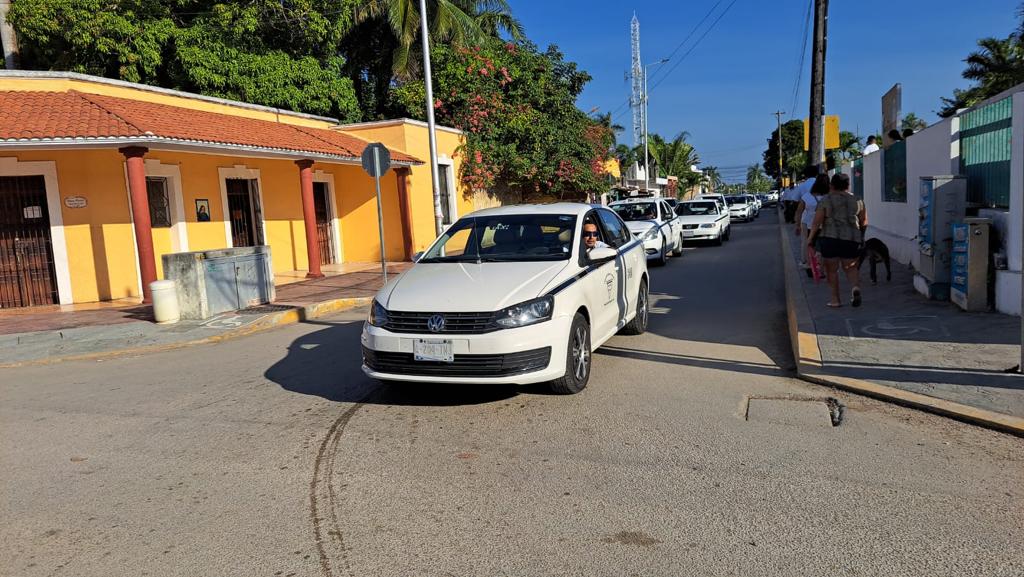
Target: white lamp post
x=438 y=215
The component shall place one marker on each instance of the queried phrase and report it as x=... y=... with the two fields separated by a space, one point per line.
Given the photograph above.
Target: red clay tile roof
x=42 y=116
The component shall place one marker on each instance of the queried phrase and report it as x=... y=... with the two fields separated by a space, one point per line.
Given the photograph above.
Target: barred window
x=159 y=207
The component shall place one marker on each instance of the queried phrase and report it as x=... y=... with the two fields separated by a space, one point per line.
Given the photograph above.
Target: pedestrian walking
x=839 y=224
x=819 y=187
x=791 y=198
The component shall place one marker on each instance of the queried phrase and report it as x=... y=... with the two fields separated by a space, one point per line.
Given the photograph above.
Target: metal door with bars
x=27 y=276
x=324 y=228
x=244 y=212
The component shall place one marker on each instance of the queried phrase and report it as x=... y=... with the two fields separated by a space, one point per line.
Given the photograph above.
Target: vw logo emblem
x=435 y=323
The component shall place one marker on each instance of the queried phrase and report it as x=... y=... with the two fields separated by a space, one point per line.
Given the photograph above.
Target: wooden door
x=27 y=274
x=324 y=227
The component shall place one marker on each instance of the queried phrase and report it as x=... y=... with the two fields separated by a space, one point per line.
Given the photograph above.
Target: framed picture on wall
x=202 y=210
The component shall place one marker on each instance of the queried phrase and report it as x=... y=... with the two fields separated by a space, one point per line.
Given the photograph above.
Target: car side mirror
x=601 y=253
x=416 y=257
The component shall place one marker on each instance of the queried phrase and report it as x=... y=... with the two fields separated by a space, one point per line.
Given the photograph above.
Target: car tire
x=728 y=233
x=678 y=250
x=718 y=239
x=577 y=369
x=638 y=325
x=663 y=255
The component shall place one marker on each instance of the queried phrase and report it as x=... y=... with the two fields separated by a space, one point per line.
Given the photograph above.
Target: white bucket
x=165 y=301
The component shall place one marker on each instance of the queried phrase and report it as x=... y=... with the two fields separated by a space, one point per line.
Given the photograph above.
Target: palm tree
x=996 y=66
x=913 y=122
x=456 y=22
x=713 y=179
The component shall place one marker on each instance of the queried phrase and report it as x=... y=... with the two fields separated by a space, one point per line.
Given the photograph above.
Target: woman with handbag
x=838 y=226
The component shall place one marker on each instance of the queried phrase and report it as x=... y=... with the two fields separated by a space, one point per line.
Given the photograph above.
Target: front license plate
x=688 y=233
x=437 y=350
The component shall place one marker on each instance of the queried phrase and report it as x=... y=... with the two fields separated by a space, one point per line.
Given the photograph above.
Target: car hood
x=468 y=286
x=640 y=227
x=738 y=206
x=698 y=218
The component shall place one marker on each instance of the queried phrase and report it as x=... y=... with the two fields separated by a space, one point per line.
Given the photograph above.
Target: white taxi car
x=654 y=222
x=704 y=220
x=740 y=208
x=511 y=295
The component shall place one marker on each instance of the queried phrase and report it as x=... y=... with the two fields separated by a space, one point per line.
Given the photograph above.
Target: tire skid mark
x=323 y=472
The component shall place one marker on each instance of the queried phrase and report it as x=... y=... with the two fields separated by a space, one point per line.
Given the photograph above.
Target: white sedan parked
x=740 y=208
x=654 y=222
x=516 y=294
x=703 y=220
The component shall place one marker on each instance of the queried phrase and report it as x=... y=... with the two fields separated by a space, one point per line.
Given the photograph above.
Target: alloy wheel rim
x=643 y=307
x=579 y=354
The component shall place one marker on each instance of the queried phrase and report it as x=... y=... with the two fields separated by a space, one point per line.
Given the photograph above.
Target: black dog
x=875 y=252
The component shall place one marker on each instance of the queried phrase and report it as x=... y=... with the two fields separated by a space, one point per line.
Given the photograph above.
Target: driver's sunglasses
x=589 y=233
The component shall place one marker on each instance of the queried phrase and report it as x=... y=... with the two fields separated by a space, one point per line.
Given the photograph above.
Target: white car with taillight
x=511 y=295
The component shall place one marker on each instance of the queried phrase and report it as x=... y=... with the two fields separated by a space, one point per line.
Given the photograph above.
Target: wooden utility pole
x=816 y=141
x=778 y=122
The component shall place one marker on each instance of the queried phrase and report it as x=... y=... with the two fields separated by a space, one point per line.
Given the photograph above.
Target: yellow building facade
x=69 y=194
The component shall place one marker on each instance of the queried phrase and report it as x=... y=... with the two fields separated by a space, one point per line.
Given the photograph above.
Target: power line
x=688 y=36
x=803 y=57
x=695 y=45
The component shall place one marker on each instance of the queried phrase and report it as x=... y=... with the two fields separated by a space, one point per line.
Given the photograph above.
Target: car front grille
x=690 y=226
x=454 y=323
x=463 y=366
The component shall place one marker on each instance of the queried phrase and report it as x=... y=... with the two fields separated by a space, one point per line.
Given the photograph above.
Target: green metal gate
x=985 y=153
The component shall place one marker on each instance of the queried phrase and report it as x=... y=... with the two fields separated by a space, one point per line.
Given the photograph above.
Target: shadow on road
x=326 y=363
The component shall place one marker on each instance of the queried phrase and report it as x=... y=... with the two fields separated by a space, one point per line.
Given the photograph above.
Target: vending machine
x=943 y=202
x=969 y=278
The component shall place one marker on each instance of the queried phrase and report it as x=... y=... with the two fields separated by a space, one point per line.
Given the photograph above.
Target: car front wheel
x=577 y=359
x=678 y=250
x=663 y=253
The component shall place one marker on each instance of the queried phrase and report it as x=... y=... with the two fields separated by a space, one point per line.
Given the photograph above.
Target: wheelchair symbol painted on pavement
x=898 y=327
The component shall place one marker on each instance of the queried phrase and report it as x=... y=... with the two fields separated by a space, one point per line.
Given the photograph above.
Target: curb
x=810 y=367
x=265 y=323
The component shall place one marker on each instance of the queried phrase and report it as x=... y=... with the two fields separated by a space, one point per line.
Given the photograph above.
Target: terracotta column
x=405 y=206
x=140 y=216
x=309 y=216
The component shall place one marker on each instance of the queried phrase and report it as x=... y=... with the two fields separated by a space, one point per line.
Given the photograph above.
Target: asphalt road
x=692 y=452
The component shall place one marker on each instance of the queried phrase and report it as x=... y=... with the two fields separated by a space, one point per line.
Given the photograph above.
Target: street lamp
x=647 y=157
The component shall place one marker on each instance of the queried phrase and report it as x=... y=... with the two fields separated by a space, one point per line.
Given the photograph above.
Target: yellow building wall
x=100 y=243
x=355 y=197
x=414 y=140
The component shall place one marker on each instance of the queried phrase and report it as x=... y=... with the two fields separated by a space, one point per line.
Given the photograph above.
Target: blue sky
x=725 y=91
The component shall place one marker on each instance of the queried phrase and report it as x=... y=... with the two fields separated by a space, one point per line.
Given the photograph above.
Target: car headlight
x=708 y=225
x=527 y=313
x=651 y=234
x=378 y=315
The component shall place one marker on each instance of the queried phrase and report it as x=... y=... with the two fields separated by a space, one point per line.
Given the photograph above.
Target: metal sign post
x=376 y=161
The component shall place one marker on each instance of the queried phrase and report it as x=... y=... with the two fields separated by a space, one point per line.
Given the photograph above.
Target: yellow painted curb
x=267 y=322
x=810 y=367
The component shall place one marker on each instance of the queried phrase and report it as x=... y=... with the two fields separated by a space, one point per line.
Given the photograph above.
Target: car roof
x=697 y=200
x=574 y=208
x=636 y=200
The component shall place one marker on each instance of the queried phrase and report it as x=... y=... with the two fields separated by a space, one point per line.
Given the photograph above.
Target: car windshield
x=735 y=200
x=505 y=237
x=693 y=208
x=636 y=211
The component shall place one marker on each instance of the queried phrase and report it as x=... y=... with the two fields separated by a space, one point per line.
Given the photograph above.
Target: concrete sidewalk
x=902 y=347
x=52 y=334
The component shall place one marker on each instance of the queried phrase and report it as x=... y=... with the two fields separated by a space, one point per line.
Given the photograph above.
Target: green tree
x=263 y=51
x=677 y=158
x=384 y=46
x=757 y=180
x=793 y=156
x=712 y=179
x=996 y=66
x=913 y=122
x=525 y=137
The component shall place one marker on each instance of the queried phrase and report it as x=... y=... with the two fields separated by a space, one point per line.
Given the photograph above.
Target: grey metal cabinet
x=216 y=281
